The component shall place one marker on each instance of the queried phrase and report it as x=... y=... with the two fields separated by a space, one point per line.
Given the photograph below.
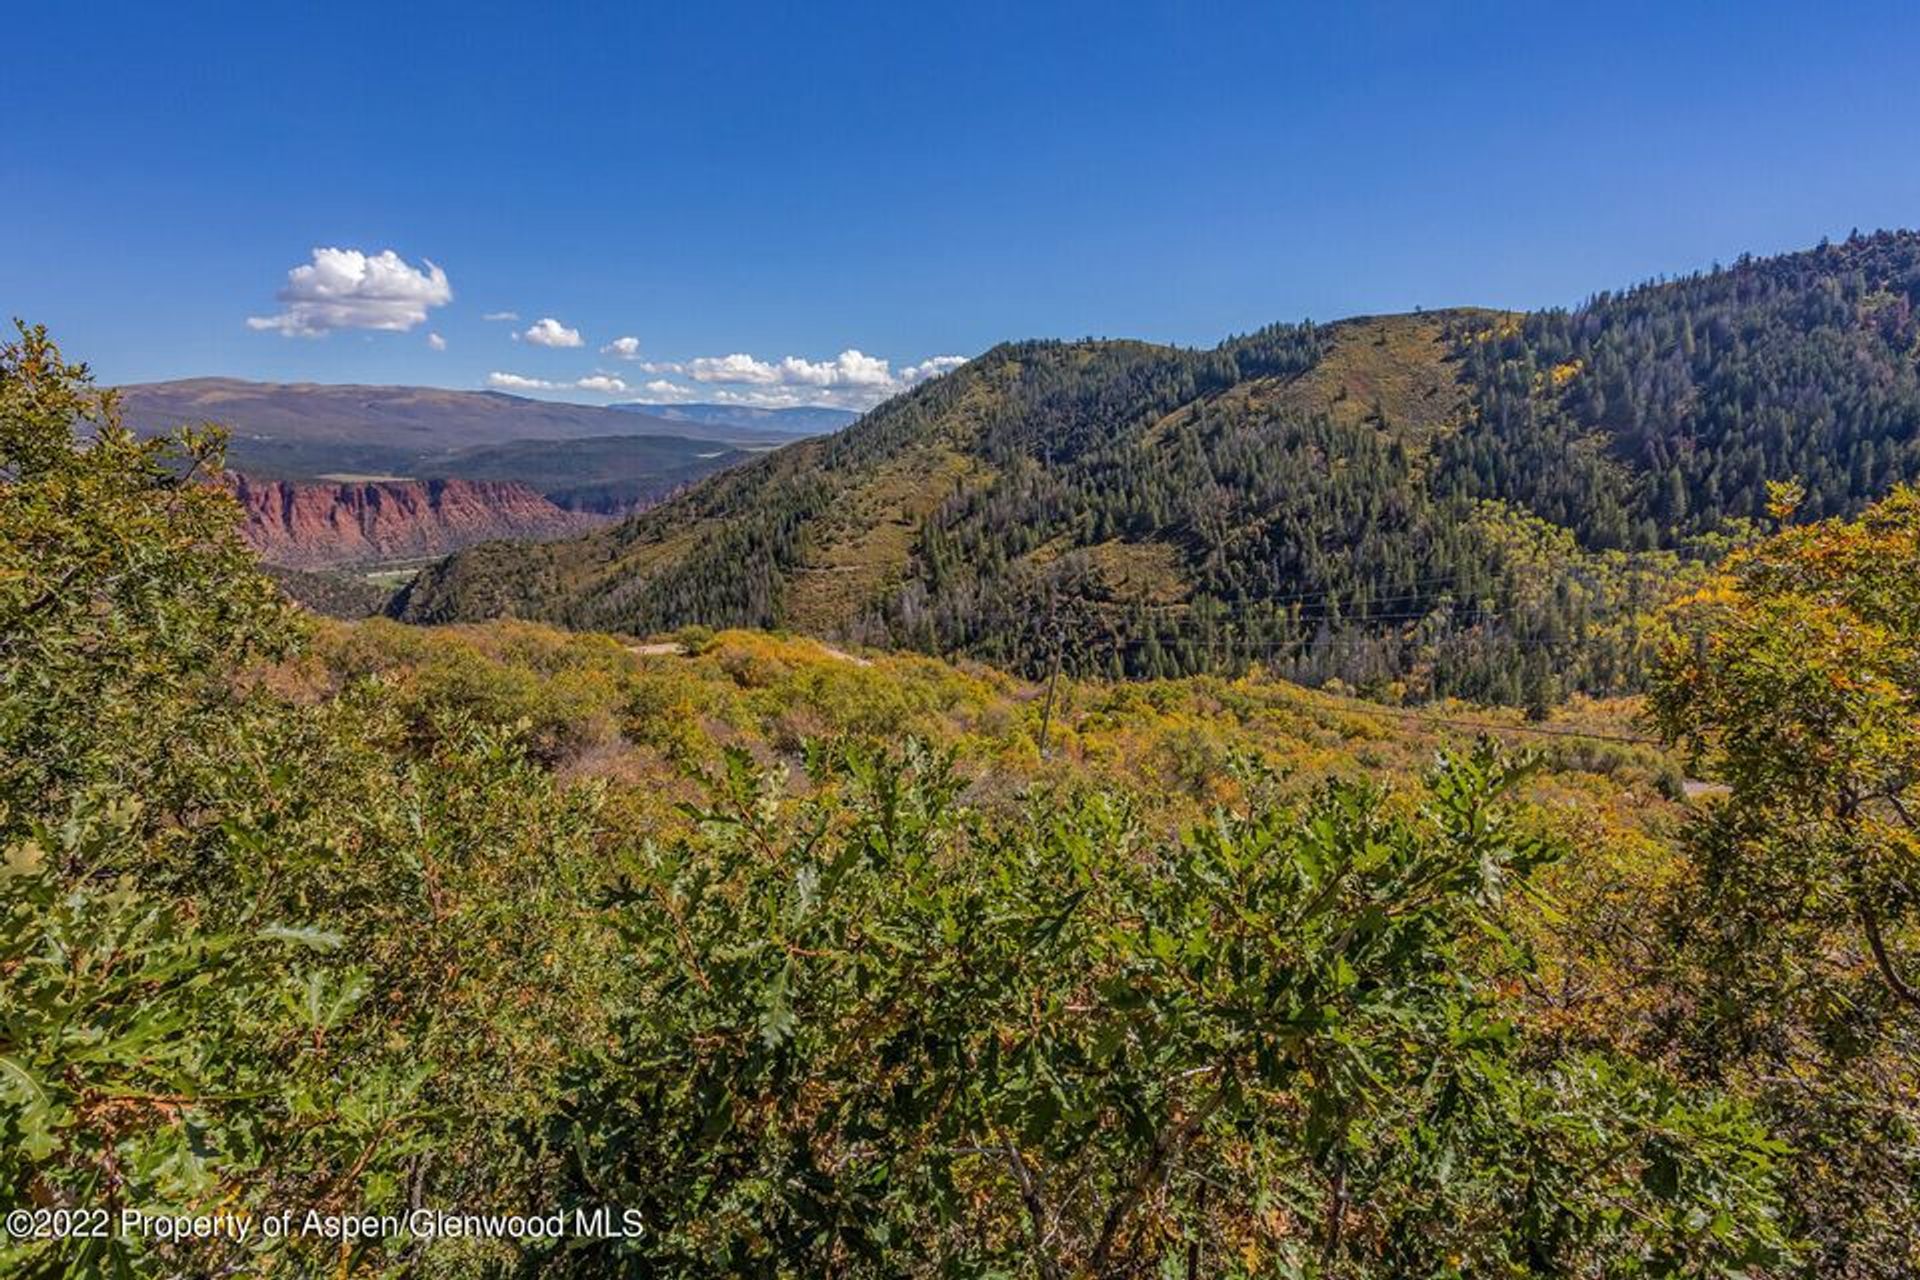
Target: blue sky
x=785 y=184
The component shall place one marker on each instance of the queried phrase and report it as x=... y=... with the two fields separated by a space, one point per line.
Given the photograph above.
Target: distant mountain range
x=802 y=421
x=349 y=474
x=303 y=430
x=1461 y=502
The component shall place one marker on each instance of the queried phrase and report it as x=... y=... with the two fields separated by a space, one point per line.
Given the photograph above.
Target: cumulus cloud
x=851 y=368
x=501 y=315
x=348 y=289
x=514 y=382
x=437 y=342
x=604 y=383
x=852 y=379
x=549 y=332
x=600 y=383
x=738 y=369
x=931 y=367
x=848 y=369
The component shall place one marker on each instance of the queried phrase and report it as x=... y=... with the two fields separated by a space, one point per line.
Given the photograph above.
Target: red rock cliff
x=312 y=526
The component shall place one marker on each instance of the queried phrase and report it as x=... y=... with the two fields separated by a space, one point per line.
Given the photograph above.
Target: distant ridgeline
x=1459 y=502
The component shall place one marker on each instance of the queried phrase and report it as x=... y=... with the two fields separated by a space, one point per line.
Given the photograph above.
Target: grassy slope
x=1390 y=370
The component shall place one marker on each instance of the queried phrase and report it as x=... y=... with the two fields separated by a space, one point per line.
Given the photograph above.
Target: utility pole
x=1046 y=715
x=1053 y=676
x=1053 y=625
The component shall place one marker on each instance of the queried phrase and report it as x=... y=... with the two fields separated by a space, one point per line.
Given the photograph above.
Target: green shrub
x=873 y=1033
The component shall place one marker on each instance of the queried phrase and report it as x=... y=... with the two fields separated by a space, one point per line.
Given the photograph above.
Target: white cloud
x=622 y=349
x=551 y=333
x=849 y=369
x=501 y=315
x=600 y=383
x=604 y=383
x=437 y=342
x=852 y=379
x=738 y=369
x=661 y=389
x=514 y=382
x=347 y=289
x=931 y=367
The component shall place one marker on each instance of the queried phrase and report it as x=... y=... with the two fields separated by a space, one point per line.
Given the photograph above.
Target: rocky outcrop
x=313 y=526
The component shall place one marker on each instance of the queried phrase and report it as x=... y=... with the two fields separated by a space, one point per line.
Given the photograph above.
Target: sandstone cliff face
x=313 y=526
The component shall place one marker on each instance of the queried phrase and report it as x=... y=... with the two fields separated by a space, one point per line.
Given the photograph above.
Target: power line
x=1268 y=613
x=1129 y=644
x=1226 y=622
x=1477 y=726
x=1488 y=727
x=1225 y=618
x=1416 y=589
x=1246 y=646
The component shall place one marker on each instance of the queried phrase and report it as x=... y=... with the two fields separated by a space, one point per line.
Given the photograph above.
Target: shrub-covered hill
x=654 y=716
x=1456 y=502
x=811 y=958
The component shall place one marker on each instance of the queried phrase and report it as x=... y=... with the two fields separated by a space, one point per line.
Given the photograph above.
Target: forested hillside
x=1456 y=502
x=875 y=965
x=1647 y=416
